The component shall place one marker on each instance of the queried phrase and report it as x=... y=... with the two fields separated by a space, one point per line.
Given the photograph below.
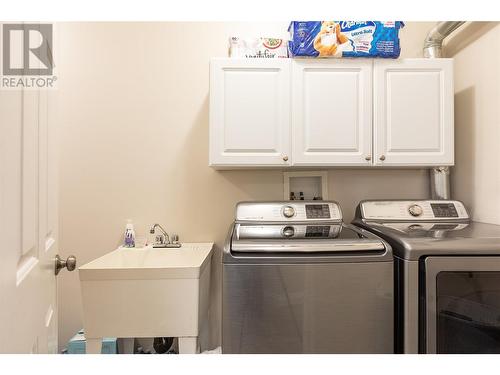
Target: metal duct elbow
x=434 y=42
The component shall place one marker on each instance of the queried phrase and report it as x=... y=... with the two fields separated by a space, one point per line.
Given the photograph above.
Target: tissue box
x=345 y=38
x=257 y=48
x=77 y=344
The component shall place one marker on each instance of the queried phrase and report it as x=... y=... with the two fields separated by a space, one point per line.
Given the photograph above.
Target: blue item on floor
x=77 y=344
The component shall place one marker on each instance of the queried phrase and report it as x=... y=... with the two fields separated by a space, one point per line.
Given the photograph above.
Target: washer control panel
x=444 y=210
x=425 y=210
x=295 y=211
x=318 y=211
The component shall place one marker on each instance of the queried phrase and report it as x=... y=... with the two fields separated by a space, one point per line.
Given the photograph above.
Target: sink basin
x=147 y=262
x=147 y=292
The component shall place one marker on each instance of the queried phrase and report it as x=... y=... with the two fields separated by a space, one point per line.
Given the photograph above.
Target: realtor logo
x=27 y=49
x=27 y=58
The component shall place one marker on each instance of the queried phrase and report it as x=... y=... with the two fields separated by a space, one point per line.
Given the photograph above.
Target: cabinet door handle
x=285 y=158
x=382 y=157
x=368 y=157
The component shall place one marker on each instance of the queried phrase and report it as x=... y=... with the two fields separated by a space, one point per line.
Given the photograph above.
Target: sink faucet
x=162 y=239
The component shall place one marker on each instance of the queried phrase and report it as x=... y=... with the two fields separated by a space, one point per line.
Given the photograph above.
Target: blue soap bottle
x=129 y=235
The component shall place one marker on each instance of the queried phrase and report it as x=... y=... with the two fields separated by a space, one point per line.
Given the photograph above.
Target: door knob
x=69 y=264
x=382 y=157
x=368 y=158
x=285 y=158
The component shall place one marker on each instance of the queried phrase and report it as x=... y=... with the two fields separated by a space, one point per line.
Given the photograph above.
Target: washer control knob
x=415 y=210
x=288 y=211
x=288 y=231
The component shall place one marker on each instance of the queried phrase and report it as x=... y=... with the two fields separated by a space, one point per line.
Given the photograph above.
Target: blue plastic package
x=77 y=344
x=345 y=38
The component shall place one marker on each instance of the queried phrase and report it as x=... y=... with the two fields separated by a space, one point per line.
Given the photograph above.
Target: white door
x=413 y=112
x=28 y=222
x=249 y=112
x=331 y=112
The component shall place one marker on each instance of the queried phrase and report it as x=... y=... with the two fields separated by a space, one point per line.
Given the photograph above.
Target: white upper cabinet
x=250 y=112
x=413 y=112
x=331 y=112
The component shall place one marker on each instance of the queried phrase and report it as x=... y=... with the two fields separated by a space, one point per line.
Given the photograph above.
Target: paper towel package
x=257 y=48
x=345 y=38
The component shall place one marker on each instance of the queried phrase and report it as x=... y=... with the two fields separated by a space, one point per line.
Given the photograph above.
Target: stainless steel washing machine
x=447 y=268
x=296 y=279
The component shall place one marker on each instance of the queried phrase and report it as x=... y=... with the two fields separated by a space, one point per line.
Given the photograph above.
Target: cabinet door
x=332 y=112
x=413 y=112
x=249 y=112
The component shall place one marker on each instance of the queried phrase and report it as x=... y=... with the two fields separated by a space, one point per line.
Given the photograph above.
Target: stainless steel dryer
x=296 y=279
x=447 y=274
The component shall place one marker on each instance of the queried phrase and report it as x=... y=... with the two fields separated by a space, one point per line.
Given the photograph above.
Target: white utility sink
x=147 y=292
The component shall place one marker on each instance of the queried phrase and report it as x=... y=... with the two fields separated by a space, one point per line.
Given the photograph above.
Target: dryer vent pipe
x=440 y=182
x=433 y=44
x=433 y=47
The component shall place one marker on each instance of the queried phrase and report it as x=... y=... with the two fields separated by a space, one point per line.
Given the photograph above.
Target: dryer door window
x=463 y=305
x=468 y=312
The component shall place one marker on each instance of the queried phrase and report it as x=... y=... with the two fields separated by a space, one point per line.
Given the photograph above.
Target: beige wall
x=133 y=108
x=476 y=176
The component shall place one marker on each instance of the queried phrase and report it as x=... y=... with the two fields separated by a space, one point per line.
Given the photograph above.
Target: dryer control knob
x=415 y=210
x=288 y=211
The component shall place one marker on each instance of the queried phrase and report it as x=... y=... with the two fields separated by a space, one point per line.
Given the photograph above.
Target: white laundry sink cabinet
x=147 y=292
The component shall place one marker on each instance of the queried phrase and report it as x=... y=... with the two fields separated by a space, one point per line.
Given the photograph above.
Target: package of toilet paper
x=345 y=38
